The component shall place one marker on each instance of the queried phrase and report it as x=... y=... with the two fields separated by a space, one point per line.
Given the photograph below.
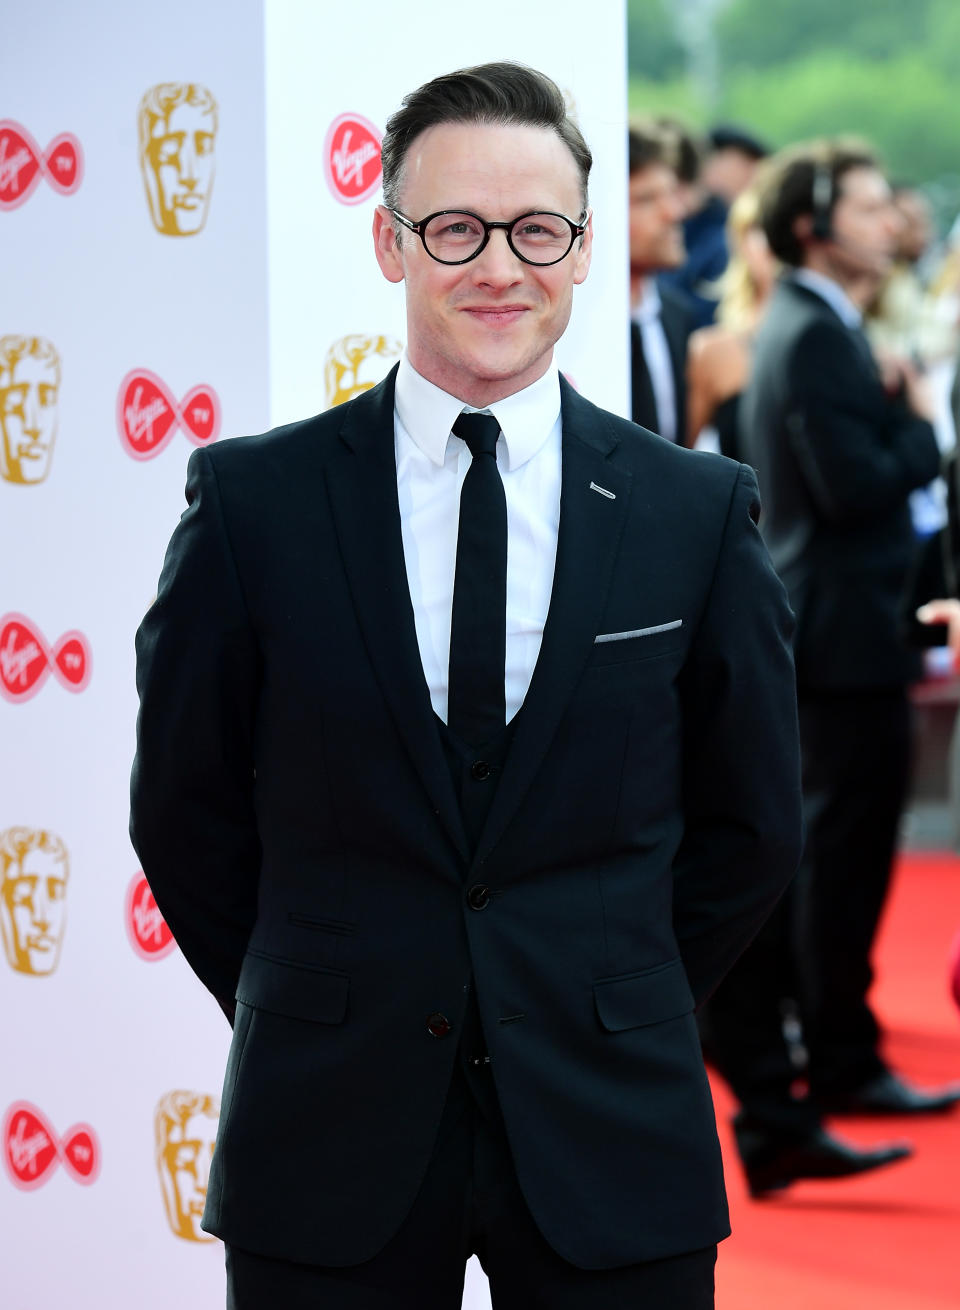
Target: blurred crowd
x=798 y=311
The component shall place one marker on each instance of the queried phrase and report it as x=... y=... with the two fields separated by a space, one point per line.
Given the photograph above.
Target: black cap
x=728 y=136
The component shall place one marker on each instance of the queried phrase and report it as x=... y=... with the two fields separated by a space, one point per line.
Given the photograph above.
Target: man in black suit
x=659 y=319
x=459 y=834
x=838 y=451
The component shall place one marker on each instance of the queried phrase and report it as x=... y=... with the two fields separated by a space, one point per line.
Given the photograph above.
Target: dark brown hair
x=786 y=187
x=500 y=93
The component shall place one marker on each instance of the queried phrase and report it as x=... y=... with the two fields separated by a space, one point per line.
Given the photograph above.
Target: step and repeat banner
x=186 y=196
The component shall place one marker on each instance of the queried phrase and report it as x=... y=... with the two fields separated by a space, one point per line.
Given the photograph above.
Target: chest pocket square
x=637 y=643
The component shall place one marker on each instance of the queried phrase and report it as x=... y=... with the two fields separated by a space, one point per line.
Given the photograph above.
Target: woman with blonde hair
x=719 y=357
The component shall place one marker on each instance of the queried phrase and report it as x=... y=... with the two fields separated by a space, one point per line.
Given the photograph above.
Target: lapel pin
x=603 y=491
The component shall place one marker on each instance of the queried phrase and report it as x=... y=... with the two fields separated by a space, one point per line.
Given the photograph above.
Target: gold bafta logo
x=29 y=387
x=177 y=124
x=34 y=868
x=185 y=1124
x=356 y=363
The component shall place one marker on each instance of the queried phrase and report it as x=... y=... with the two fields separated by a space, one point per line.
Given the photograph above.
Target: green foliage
x=882 y=69
x=653 y=49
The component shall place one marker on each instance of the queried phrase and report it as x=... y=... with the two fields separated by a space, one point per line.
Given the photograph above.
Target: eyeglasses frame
x=576 y=230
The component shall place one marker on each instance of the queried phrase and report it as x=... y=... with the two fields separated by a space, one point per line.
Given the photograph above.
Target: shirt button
x=438 y=1025
x=480 y=770
x=478 y=897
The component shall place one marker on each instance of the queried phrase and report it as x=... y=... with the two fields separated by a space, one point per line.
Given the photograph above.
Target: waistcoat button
x=438 y=1025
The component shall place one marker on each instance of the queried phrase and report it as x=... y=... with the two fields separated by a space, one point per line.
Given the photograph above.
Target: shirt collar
x=648 y=308
x=526 y=418
x=832 y=292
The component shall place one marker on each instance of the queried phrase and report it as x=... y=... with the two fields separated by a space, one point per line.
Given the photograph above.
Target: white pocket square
x=638 y=632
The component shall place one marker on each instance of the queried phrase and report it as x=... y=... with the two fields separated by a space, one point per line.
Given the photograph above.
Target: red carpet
x=890 y=1240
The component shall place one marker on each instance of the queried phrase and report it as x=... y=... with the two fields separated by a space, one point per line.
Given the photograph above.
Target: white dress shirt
x=431 y=466
x=656 y=352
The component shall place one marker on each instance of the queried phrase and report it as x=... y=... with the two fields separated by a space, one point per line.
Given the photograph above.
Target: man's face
x=185 y=1171
x=484 y=329
x=656 y=212
x=728 y=172
x=916 y=225
x=865 y=225
x=28 y=419
x=33 y=906
x=179 y=165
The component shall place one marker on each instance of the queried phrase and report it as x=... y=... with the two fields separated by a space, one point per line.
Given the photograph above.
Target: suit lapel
x=362 y=482
x=591 y=525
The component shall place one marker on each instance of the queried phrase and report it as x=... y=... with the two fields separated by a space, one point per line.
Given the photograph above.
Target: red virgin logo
x=148 y=415
x=351 y=158
x=146 y=927
x=26 y=661
x=32 y=1150
x=23 y=163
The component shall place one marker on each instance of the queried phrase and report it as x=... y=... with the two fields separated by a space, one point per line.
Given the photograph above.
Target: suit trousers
x=469 y=1202
x=814 y=952
x=856 y=772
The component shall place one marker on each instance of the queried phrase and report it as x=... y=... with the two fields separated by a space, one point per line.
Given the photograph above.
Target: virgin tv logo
x=147 y=929
x=23 y=163
x=148 y=414
x=351 y=158
x=26 y=661
x=32 y=1149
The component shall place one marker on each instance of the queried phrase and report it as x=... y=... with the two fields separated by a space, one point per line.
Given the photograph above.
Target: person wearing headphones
x=838 y=450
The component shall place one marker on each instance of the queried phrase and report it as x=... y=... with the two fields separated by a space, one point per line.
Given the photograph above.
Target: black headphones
x=822 y=229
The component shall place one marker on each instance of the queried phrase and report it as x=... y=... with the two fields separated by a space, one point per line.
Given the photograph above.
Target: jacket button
x=438 y=1025
x=480 y=770
x=478 y=897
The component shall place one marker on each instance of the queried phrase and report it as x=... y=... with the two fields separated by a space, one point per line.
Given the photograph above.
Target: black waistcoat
x=476 y=773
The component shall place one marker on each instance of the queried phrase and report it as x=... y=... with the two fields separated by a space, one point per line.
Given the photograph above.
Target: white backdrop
x=205 y=278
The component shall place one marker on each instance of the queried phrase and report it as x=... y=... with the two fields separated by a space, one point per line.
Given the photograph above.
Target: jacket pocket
x=635 y=1000
x=644 y=646
x=298 y=991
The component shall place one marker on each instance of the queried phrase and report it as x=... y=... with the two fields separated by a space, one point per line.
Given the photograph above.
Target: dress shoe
x=772 y=1163
x=887 y=1093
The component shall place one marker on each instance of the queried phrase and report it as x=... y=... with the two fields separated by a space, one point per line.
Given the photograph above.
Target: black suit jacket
x=836 y=460
x=677 y=326
x=298 y=824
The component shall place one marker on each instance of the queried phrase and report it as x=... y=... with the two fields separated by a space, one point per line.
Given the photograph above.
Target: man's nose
x=497 y=265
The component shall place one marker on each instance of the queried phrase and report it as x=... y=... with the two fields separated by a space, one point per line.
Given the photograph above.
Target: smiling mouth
x=496 y=315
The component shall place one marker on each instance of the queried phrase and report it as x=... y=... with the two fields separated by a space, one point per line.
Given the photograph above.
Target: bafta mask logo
x=178 y=130
x=186 y=1127
x=356 y=363
x=26 y=661
x=34 y=869
x=23 y=164
x=146 y=927
x=29 y=387
x=32 y=1149
x=351 y=158
x=148 y=415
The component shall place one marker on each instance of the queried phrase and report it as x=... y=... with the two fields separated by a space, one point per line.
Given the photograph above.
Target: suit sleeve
x=859 y=453
x=192 y=819
x=741 y=786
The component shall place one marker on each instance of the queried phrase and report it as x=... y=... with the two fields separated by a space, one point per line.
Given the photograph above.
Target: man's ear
x=385 y=245
x=582 y=252
x=802 y=228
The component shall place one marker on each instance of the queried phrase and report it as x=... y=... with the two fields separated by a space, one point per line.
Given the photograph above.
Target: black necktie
x=478 y=631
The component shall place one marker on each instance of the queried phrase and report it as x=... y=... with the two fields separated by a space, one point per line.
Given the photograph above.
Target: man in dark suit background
x=838 y=452
x=458 y=831
x=659 y=320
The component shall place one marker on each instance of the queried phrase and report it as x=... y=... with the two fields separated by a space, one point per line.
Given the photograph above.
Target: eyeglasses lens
x=539 y=238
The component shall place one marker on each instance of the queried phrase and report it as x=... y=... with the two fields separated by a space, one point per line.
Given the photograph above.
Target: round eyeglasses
x=455 y=236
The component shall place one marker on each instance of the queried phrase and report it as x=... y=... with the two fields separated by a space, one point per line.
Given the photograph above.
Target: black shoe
x=887 y=1093
x=772 y=1163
